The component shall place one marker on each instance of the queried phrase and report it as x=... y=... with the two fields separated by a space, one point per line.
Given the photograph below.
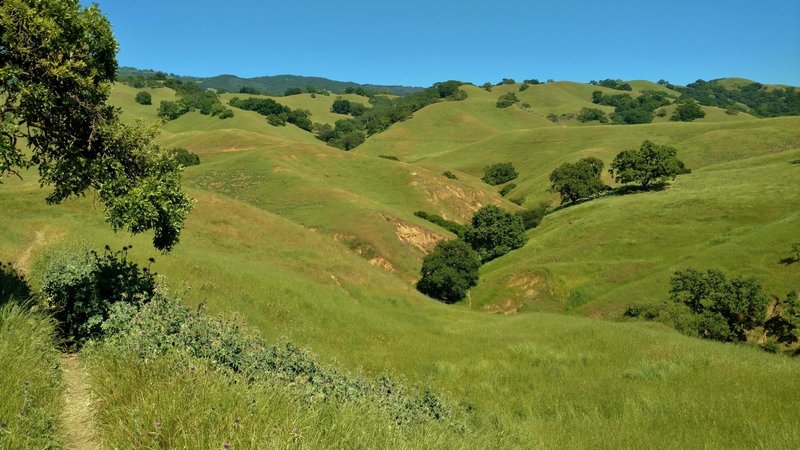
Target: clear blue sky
x=415 y=42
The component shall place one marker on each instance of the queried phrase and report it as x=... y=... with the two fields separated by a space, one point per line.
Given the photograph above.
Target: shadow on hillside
x=13 y=285
x=789 y=261
x=619 y=191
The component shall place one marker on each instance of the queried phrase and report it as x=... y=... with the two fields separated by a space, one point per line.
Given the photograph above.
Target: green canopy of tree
x=144 y=98
x=687 y=111
x=495 y=232
x=579 y=180
x=499 y=173
x=449 y=271
x=58 y=62
x=651 y=163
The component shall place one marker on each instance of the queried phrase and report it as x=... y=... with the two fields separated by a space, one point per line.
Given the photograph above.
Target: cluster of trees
x=276 y=114
x=612 y=84
x=75 y=139
x=507 y=100
x=453 y=267
x=192 y=97
x=385 y=111
x=630 y=110
x=711 y=306
x=499 y=173
x=590 y=114
x=687 y=111
x=344 y=106
x=649 y=165
x=760 y=100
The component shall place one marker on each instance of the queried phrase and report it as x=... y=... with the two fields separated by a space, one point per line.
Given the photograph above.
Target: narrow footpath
x=78 y=427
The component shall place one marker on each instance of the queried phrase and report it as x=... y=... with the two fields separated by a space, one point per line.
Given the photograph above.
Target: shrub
x=450 y=175
x=80 y=287
x=506 y=189
x=507 y=100
x=144 y=98
x=532 y=217
x=453 y=227
x=495 y=232
x=589 y=114
x=524 y=87
x=687 y=111
x=449 y=271
x=341 y=106
x=499 y=173
x=184 y=157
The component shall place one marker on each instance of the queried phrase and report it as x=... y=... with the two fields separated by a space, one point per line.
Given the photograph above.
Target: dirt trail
x=78 y=428
x=24 y=259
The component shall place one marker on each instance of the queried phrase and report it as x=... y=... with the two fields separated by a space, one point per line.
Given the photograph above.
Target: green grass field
x=320 y=247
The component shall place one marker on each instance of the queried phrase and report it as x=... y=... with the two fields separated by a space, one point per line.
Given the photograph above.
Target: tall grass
x=30 y=380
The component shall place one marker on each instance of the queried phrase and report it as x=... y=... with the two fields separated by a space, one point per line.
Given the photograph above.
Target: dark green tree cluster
x=385 y=111
x=495 y=232
x=499 y=173
x=532 y=81
x=687 y=111
x=184 y=157
x=344 y=106
x=292 y=91
x=276 y=114
x=612 y=84
x=630 y=110
x=143 y=98
x=507 y=100
x=506 y=81
x=453 y=227
x=590 y=114
x=784 y=325
x=192 y=97
x=760 y=100
x=452 y=268
x=650 y=164
x=58 y=63
x=579 y=180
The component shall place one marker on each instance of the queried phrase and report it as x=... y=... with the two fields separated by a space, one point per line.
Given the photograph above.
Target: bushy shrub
x=495 y=232
x=532 y=217
x=449 y=271
x=144 y=98
x=80 y=287
x=453 y=227
x=450 y=175
x=184 y=157
x=507 y=100
x=506 y=189
x=524 y=87
x=165 y=327
x=499 y=173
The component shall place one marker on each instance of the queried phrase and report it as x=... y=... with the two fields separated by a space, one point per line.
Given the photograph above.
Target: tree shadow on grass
x=13 y=285
x=627 y=189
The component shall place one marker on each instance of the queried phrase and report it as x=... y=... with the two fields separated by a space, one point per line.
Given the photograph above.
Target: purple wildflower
x=158 y=424
x=226 y=445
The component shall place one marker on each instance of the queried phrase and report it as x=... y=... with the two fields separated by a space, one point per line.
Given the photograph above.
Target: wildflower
x=226 y=445
x=158 y=424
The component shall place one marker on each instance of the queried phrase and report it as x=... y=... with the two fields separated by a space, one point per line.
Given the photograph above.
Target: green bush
x=507 y=100
x=184 y=157
x=687 y=111
x=144 y=98
x=80 y=287
x=506 y=189
x=450 y=175
x=590 y=114
x=495 y=232
x=449 y=271
x=453 y=227
x=531 y=218
x=499 y=173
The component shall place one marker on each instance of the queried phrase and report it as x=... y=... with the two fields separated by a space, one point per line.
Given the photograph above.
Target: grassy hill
x=321 y=247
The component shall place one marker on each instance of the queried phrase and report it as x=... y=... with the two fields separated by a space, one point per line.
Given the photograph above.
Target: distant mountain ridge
x=274 y=84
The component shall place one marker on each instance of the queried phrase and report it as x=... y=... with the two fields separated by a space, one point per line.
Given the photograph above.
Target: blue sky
x=417 y=43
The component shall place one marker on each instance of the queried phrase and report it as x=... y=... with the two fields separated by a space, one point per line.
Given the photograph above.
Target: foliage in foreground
x=76 y=139
x=449 y=271
x=30 y=380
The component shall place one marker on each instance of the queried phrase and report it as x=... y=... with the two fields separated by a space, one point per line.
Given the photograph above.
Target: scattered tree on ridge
x=507 y=100
x=449 y=271
x=687 y=111
x=650 y=164
x=579 y=180
x=58 y=63
x=495 y=232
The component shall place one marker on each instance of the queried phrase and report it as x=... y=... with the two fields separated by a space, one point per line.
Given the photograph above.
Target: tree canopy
x=499 y=173
x=575 y=181
x=495 y=232
x=58 y=62
x=449 y=271
x=650 y=164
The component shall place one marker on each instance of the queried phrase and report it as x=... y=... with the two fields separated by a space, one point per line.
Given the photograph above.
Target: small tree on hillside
x=495 y=232
x=499 y=173
x=650 y=164
x=507 y=100
x=575 y=181
x=144 y=98
x=449 y=271
x=687 y=112
x=341 y=106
